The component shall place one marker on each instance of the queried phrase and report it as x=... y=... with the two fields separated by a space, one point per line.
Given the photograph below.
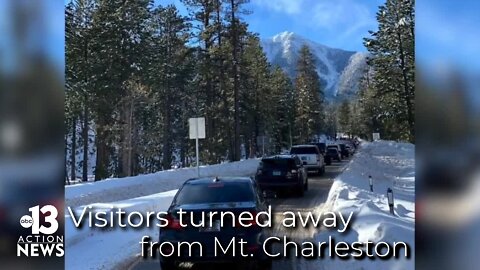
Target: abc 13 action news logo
x=42 y=240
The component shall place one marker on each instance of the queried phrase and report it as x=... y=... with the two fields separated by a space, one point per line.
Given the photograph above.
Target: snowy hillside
x=333 y=65
x=349 y=81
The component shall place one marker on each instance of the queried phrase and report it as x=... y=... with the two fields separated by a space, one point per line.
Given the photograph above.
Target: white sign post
x=197 y=131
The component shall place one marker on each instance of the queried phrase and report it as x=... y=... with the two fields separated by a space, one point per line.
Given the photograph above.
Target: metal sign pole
x=197 y=132
x=196 y=146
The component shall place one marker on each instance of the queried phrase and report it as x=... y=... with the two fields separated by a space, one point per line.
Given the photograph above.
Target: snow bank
x=391 y=165
x=119 y=246
x=116 y=189
x=112 y=248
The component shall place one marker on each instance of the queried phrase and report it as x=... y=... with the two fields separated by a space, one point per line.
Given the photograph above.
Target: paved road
x=319 y=186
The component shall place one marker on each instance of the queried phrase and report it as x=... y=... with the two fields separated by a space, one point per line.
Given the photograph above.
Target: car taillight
x=173 y=223
x=253 y=222
x=291 y=173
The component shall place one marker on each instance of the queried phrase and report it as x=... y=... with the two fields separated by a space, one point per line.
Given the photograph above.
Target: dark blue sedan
x=218 y=204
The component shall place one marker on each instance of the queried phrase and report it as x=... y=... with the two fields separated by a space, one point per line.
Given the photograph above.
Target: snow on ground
x=119 y=246
x=112 y=248
x=116 y=189
x=391 y=165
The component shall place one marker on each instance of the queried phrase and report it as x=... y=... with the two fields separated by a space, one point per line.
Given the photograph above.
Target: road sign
x=197 y=128
x=376 y=136
x=197 y=131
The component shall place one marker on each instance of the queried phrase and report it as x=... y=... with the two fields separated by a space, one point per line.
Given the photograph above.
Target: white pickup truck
x=310 y=156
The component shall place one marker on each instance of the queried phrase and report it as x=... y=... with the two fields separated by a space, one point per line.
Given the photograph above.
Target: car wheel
x=265 y=264
x=167 y=265
x=301 y=191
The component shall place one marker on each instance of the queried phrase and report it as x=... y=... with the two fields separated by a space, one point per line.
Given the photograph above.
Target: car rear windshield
x=277 y=163
x=215 y=192
x=303 y=150
x=332 y=150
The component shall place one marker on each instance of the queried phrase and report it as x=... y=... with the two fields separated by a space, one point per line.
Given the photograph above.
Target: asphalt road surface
x=315 y=197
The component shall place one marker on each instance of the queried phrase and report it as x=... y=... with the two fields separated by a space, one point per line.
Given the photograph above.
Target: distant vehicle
x=350 y=149
x=343 y=150
x=327 y=159
x=311 y=157
x=282 y=173
x=333 y=154
x=200 y=196
x=322 y=147
x=336 y=147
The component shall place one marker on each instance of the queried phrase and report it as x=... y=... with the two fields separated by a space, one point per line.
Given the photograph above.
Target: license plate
x=215 y=227
x=277 y=173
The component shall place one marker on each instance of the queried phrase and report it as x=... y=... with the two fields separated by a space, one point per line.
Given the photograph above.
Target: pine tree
x=78 y=24
x=168 y=73
x=120 y=30
x=282 y=103
x=344 y=117
x=233 y=12
x=393 y=60
x=309 y=98
x=255 y=112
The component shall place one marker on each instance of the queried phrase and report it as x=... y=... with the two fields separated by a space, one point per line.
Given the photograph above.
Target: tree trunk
x=85 y=142
x=73 y=161
x=126 y=152
x=101 y=164
x=406 y=90
x=65 y=162
x=236 y=101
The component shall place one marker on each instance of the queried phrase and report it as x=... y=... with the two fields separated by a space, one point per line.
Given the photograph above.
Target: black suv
x=333 y=154
x=282 y=173
x=199 y=198
x=322 y=147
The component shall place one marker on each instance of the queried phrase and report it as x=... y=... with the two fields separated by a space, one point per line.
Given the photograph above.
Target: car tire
x=306 y=185
x=301 y=191
x=167 y=265
x=265 y=264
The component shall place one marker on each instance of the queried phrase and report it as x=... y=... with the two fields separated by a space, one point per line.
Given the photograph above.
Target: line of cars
x=287 y=172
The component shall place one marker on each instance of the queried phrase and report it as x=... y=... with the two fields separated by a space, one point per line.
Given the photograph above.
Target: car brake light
x=253 y=222
x=173 y=223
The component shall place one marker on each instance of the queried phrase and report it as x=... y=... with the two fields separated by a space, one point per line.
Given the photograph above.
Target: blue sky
x=446 y=31
x=335 y=23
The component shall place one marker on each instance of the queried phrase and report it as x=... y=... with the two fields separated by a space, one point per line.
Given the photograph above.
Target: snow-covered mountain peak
x=283 y=36
x=283 y=50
